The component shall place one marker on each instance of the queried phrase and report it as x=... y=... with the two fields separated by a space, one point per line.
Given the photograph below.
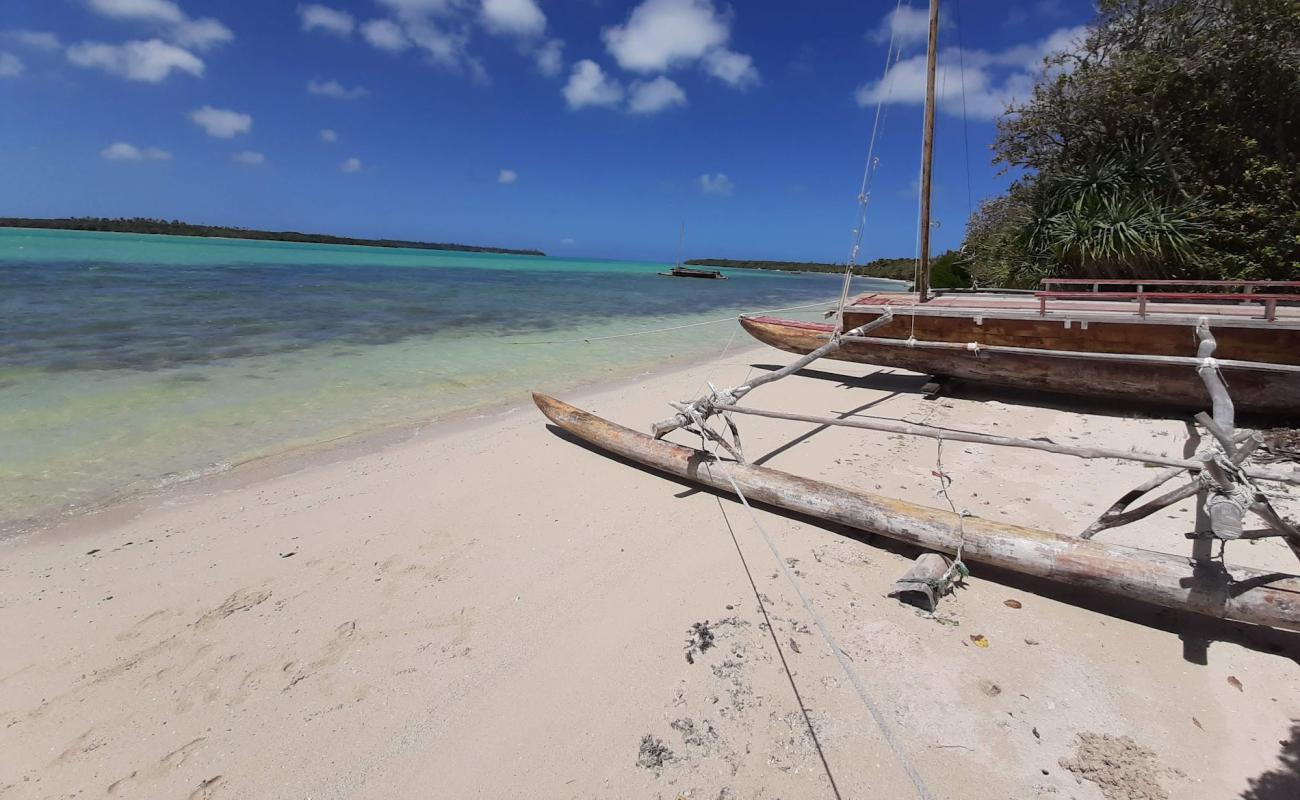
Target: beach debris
x=1031 y=642
x=990 y=688
x=1036 y=734
x=1012 y=603
x=979 y=640
x=925 y=582
x=1121 y=768
x=1236 y=684
x=288 y=554
x=92 y=552
x=653 y=753
x=1197 y=723
x=699 y=639
x=794 y=645
x=702 y=734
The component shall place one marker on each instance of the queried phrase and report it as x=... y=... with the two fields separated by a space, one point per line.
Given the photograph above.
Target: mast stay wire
x=892 y=56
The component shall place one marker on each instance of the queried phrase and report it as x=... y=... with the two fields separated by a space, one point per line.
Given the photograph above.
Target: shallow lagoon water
x=131 y=361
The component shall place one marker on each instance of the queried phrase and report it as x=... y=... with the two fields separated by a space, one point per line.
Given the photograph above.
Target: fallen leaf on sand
x=1011 y=603
x=978 y=640
x=1236 y=684
x=1197 y=723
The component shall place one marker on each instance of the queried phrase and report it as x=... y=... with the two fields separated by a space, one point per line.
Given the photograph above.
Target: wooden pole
x=1046 y=445
x=927 y=151
x=705 y=405
x=1237 y=593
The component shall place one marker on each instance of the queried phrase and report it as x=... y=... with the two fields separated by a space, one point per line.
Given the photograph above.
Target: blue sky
x=579 y=127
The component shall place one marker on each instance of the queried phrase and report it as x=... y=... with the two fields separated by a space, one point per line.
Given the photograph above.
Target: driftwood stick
x=1129 y=498
x=706 y=406
x=1141 y=512
x=1046 y=445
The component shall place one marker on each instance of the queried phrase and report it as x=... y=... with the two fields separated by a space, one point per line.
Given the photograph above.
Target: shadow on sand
x=1185 y=625
x=1282 y=783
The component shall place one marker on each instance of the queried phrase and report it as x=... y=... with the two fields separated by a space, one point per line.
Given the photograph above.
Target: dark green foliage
x=178 y=228
x=1167 y=146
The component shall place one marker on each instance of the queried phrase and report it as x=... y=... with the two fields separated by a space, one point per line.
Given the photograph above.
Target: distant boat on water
x=690 y=272
x=678 y=271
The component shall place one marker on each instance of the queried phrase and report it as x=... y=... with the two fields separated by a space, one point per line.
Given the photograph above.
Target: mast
x=927 y=151
x=681 y=240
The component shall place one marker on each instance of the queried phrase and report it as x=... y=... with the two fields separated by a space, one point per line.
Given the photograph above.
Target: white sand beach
x=491 y=610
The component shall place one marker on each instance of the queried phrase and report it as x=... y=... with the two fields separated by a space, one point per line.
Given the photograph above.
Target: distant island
x=945 y=270
x=177 y=228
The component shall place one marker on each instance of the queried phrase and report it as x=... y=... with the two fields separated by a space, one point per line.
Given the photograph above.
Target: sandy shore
x=493 y=611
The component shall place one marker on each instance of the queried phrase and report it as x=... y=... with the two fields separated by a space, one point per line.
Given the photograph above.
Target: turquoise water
x=131 y=361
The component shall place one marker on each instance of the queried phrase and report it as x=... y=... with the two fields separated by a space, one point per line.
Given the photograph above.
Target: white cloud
x=386 y=35
x=328 y=135
x=201 y=34
x=11 y=66
x=39 y=40
x=221 y=123
x=589 y=86
x=514 y=17
x=992 y=79
x=550 y=58
x=661 y=34
x=649 y=97
x=335 y=89
x=122 y=151
x=907 y=26
x=351 y=165
x=718 y=184
x=568 y=240
x=248 y=158
x=315 y=16
x=155 y=10
x=735 y=69
x=198 y=34
x=442 y=48
x=149 y=61
x=507 y=176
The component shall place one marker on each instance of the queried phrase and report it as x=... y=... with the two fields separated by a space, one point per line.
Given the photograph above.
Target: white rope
x=885 y=730
x=660 y=330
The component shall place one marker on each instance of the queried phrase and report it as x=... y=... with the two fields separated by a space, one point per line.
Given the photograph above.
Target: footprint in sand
x=241 y=600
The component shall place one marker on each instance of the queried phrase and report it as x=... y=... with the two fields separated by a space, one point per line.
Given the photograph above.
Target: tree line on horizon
x=176 y=227
x=1166 y=146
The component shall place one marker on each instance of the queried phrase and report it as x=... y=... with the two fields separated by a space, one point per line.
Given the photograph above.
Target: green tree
x=1166 y=145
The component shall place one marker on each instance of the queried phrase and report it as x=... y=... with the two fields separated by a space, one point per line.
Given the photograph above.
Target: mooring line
x=894 y=744
x=771 y=629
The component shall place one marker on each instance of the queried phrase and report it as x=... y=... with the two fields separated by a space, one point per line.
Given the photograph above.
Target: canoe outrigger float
x=1235 y=593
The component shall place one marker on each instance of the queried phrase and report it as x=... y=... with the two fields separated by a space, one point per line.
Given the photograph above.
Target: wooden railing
x=1221 y=292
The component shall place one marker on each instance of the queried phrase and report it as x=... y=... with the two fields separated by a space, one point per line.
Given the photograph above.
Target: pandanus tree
x=1165 y=144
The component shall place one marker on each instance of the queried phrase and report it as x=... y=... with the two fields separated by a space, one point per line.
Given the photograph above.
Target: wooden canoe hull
x=1241 y=594
x=1262 y=393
